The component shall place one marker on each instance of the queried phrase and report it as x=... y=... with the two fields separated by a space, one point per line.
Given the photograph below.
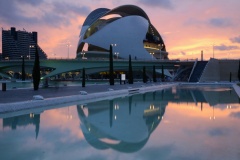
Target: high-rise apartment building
x=16 y=44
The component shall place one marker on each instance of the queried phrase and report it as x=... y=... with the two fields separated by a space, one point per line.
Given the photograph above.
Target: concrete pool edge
x=81 y=99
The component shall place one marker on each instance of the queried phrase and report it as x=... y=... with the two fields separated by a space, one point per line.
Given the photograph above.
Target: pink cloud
x=186 y=26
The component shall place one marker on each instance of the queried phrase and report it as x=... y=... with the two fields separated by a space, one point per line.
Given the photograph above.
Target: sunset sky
x=186 y=26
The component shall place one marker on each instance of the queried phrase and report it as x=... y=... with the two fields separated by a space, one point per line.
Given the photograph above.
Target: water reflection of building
x=201 y=94
x=123 y=124
x=22 y=121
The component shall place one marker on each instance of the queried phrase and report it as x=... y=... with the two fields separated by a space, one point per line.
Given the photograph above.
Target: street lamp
x=68 y=45
x=213 y=49
x=213 y=116
x=160 y=49
x=54 y=55
x=229 y=54
x=152 y=55
x=117 y=54
x=114 y=45
x=83 y=53
x=30 y=46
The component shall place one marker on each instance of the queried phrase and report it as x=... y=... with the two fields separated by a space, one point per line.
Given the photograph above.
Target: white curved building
x=126 y=26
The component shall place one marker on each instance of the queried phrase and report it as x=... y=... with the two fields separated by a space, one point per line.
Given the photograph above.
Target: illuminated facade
x=128 y=27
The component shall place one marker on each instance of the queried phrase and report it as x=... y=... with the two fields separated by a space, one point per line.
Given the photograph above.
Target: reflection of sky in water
x=171 y=124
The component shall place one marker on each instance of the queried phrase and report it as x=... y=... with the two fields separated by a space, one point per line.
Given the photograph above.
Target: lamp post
x=83 y=53
x=213 y=49
x=29 y=56
x=213 y=116
x=23 y=69
x=117 y=54
x=152 y=55
x=229 y=54
x=68 y=45
x=160 y=49
x=114 y=45
x=54 y=55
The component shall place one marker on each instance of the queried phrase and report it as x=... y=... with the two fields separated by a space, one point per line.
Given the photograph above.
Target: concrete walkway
x=19 y=95
x=22 y=99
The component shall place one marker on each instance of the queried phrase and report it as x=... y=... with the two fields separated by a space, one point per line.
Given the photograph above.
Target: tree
x=36 y=70
x=144 y=75
x=239 y=70
x=83 y=77
x=162 y=76
x=23 y=69
x=111 y=113
x=154 y=74
x=111 y=75
x=230 y=78
x=130 y=72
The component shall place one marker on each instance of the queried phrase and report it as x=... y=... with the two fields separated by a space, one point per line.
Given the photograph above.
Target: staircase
x=197 y=72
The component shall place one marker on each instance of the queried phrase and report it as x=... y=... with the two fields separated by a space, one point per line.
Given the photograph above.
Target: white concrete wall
x=219 y=70
x=128 y=33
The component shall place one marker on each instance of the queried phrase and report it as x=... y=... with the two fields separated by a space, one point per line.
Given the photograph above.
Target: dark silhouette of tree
x=130 y=104
x=154 y=74
x=36 y=70
x=239 y=70
x=83 y=77
x=230 y=77
x=111 y=113
x=130 y=72
x=144 y=75
x=162 y=76
x=23 y=69
x=111 y=75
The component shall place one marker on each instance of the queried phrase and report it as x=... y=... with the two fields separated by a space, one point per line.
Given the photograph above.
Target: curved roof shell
x=122 y=29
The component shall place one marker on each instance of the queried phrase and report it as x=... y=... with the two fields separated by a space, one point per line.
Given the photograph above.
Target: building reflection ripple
x=123 y=124
x=23 y=120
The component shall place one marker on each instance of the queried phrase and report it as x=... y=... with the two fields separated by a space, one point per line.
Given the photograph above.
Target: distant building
x=0 y=56
x=20 y=43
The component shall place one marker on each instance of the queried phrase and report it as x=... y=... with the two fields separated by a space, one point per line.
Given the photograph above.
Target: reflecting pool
x=178 y=123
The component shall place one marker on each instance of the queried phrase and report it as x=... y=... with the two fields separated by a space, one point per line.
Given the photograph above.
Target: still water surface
x=178 y=123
